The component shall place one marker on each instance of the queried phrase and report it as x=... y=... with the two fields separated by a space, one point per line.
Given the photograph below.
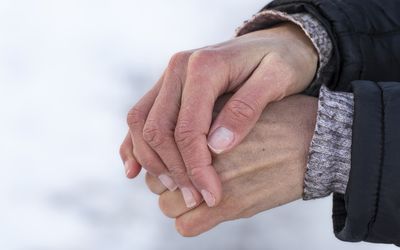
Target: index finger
x=201 y=89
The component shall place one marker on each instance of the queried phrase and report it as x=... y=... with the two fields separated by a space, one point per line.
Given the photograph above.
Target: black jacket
x=366 y=39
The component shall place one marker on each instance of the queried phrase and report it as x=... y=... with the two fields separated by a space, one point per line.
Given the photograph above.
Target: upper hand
x=171 y=125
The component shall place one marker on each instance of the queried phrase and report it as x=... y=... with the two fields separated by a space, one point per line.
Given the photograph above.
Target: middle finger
x=160 y=126
x=143 y=152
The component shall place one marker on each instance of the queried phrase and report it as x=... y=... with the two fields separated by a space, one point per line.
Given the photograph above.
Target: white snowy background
x=69 y=71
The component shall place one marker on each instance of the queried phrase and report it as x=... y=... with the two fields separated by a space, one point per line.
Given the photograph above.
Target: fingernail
x=127 y=168
x=208 y=197
x=220 y=140
x=168 y=182
x=188 y=197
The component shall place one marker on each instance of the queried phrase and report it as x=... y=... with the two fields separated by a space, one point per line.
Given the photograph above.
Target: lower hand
x=266 y=170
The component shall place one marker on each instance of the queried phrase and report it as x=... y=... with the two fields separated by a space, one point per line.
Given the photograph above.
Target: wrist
x=293 y=53
x=314 y=30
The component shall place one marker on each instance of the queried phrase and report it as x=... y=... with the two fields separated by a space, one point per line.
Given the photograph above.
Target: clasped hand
x=172 y=133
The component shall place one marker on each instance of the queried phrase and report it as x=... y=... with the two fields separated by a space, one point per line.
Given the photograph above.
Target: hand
x=169 y=126
x=266 y=170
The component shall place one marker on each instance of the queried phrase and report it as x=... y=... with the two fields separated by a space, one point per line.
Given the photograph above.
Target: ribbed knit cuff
x=329 y=159
x=330 y=151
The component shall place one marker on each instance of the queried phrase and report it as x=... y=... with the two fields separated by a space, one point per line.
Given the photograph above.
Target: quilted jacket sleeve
x=366 y=44
x=365 y=36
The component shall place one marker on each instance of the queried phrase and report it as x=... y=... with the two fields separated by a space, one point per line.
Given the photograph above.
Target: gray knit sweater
x=329 y=160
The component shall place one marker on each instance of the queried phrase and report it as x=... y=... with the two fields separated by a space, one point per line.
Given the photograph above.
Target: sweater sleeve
x=329 y=158
x=366 y=38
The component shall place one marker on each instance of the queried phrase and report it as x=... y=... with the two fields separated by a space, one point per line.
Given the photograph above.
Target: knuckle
x=179 y=59
x=241 y=110
x=135 y=117
x=194 y=172
x=153 y=134
x=184 y=133
x=205 y=60
x=178 y=173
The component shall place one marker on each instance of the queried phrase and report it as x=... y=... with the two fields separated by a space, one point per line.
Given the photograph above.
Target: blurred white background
x=69 y=71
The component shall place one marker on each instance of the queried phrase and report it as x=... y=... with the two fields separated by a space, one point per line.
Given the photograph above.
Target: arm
x=356 y=214
x=369 y=209
x=366 y=38
x=329 y=159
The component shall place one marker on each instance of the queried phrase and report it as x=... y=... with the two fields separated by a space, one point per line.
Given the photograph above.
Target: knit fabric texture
x=329 y=160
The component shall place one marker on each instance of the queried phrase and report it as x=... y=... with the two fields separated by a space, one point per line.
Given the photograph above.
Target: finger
x=154 y=184
x=172 y=204
x=143 y=152
x=160 y=125
x=204 y=81
x=242 y=111
x=199 y=220
x=132 y=167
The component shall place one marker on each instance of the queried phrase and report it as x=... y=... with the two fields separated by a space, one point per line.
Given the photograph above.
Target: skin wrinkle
x=320 y=43
x=333 y=135
x=270 y=179
x=279 y=183
x=230 y=169
x=313 y=29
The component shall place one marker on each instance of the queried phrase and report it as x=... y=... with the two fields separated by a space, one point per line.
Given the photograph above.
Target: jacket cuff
x=312 y=28
x=369 y=209
x=329 y=159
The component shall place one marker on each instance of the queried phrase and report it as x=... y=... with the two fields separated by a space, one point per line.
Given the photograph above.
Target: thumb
x=241 y=112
